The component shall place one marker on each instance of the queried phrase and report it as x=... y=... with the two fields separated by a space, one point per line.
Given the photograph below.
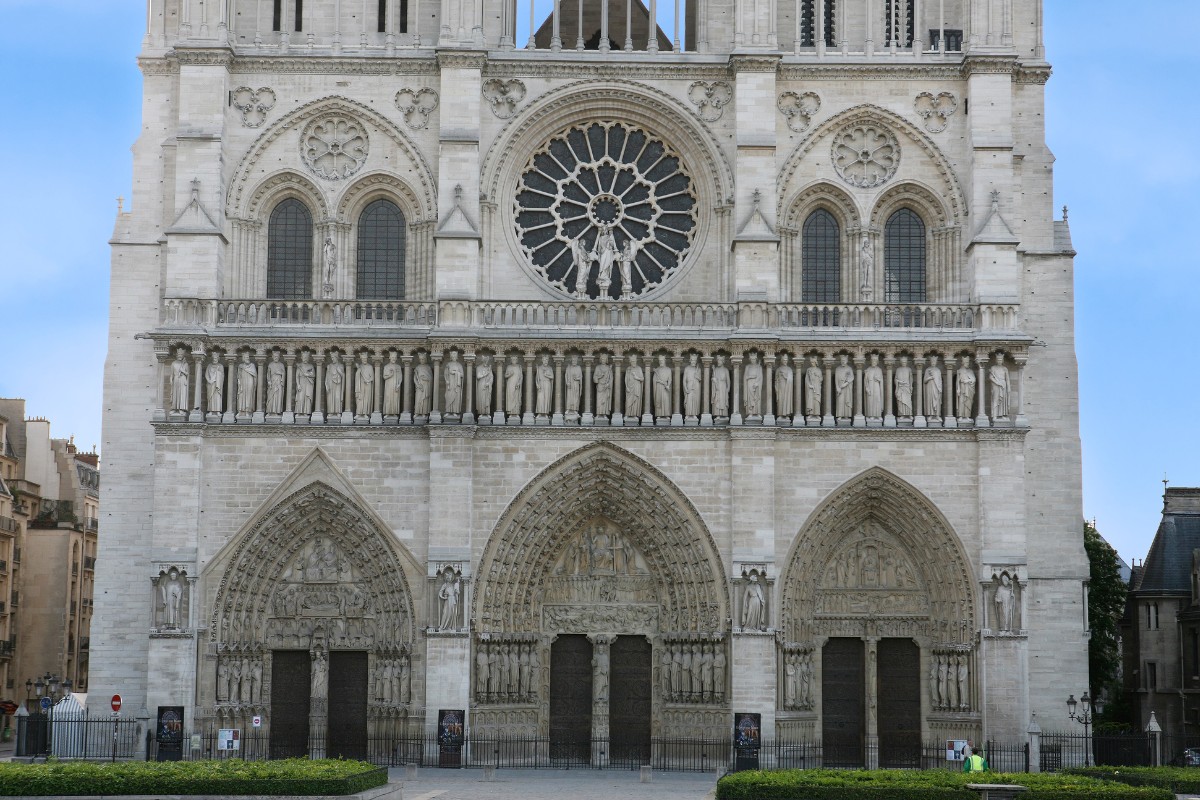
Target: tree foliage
x=1106 y=606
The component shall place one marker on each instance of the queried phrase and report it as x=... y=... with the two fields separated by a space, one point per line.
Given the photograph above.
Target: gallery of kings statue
x=595 y=379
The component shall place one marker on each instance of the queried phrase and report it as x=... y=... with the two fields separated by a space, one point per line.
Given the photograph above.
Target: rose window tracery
x=865 y=155
x=605 y=210
x=334 y=146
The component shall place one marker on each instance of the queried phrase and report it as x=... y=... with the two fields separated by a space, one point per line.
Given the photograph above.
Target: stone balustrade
x=964 y=380
x=536 y=316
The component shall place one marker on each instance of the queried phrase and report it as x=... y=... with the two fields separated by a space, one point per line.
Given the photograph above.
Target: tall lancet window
x=381 y=240
x=904 y=258
x=821 y=258
x=290 y=252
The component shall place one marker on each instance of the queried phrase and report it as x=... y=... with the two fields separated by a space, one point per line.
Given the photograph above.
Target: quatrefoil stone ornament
x=936 y=111
x=710 y=97
x=865 y=155
x=799 y=109
x=416 y=105
x=254 y=104
x=334 y=146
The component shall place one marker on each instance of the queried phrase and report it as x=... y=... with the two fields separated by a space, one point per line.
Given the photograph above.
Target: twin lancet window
x=904 y=254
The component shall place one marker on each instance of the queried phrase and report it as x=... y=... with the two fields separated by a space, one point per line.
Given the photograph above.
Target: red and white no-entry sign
x=116 y=702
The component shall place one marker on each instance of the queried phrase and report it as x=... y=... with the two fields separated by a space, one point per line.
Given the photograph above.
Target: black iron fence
x=41 y=735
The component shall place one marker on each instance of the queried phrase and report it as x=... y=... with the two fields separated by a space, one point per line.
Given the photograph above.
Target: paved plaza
x=469 y=784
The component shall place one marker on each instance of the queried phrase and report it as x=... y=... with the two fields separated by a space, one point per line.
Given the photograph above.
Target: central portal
x=571 y=699
x=629 y=707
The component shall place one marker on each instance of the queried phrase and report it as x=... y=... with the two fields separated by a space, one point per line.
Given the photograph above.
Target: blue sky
x=1123 y=115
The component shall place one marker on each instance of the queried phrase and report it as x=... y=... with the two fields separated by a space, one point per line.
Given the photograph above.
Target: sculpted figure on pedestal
x=662 y=388
x=935 y=698
x=247 y=382
x=964 y=697
x=602 y=376
x=276 y=384
x=998 y=386
x=965 y=400
x=364 y=386
x=513 y=382
x=628 y=254
x=843 y=384
x=484 y=381
x=720 y=388
x=543 y=382
x=1005 y=601
x=574 y=384
x=454 y=384
x=171 y=593
x=306 y=378
x=752 y=380
x=607 y=254
x=583 y=265
x=812 y=388
x=320 y=675
x=214 y=377
x=933 y=388
x=634 y=381
x=904 y=388
x=691 y=386
x=449 y=595
x=393 y=386
x=784 y=387
x=422 y=386
x=179 y=382
x=867 y=265
x=873 y=388
x=335 y=380
x=754 y=605
x=482 y=672
x=329 y=259
x=600 y=673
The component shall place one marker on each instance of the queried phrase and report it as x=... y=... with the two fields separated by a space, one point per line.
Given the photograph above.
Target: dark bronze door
x=290 y=677
x=571 y=699
x=347 y=705
x=629 y=701
x=842 y=685
x=899 y=687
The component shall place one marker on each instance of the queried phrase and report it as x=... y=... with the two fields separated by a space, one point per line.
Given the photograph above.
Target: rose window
x=605 y=210
x=865 y=155
x=334 y=146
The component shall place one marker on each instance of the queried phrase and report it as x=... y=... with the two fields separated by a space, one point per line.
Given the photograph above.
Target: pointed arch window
x=904 y=258
x=821 y=258
x=290 y=251
x=381 y=243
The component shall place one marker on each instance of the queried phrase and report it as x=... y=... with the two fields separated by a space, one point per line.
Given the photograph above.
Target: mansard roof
x=1168 y=566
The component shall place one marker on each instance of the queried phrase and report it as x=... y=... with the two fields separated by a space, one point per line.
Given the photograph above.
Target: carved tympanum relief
x=254 y=104
x=417 y=105
x=710 y=98
x=334 y=146
x=935 y=110
x=504 y=96
x=799 y=109
x=865 y=154
x=605 y=210
x=871 y=576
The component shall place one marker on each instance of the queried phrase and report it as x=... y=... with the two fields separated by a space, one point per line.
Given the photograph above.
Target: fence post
x=1155 y=731
x=1035 y=745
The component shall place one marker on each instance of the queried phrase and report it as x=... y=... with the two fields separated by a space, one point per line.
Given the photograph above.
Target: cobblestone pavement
x=469 y=784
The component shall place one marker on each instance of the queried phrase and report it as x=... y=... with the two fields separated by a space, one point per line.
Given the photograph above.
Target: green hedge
x=233 y=777
x=918 y=785
x=1181 y=780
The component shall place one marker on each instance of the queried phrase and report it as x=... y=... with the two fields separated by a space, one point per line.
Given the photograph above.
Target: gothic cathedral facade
x=596 y=368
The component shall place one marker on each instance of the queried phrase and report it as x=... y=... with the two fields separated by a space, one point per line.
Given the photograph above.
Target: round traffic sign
x=116 y=702
x=46 y=703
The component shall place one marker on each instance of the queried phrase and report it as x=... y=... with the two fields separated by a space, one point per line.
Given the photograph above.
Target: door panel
x=347 y=705
x=571 y=699
x=630 y=700
x=290 y=686
x=899 y=676
x=842 y=685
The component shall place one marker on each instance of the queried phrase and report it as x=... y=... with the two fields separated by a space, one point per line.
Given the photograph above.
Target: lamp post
x=46 y=688
x=1081 y=712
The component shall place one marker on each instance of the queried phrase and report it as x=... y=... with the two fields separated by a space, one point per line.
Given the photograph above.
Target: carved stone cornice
x=988 y=64
x=1033 y=73
x=418 y=64
x=204 y=56
x=639 y=70
x=157 y=65
x=754 y=63
x=869 y=72
x=462 y=59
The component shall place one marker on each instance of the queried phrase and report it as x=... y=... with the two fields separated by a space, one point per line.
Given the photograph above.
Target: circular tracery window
x=865 y=155
x=605 y=210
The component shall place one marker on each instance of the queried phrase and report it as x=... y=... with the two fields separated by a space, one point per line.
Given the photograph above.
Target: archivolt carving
x=314 y=570
x=367 y=186
x=877 y=552
x=868 y=114
x=281 y=184
x=827 y=195
x=246 y=173
x=652 y=567
x=910 y=193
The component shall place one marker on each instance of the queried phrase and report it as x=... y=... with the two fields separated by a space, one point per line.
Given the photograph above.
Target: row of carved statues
x=798 y=680
x=240 y=678
x=693 y=671
x=950 y=681
x=507 y=671
x=543 y=388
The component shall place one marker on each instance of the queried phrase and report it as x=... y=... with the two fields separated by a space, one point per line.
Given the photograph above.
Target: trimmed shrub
x=232 y=777
x=1180 y=780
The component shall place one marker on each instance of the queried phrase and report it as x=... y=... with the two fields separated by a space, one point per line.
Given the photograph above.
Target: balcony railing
x=588 y=315
x=8 y=524
x=89 y=563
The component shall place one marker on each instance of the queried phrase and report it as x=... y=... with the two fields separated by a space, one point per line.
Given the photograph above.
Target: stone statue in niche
x=1004 y=599
x=873 y=388
x=276 y=383
x=812 y=388
x=752 y=380
x=904 y=389
x=843 y=385
x=943 y=686
x=454 y=374
x=628 y=254
x=422 y=386
x=784 y=387
x=754 y=605
x=482 y=672
x=223 y=678
x=247 y=383
x=998 y=386
x=966 y=389
x=607 y=254
x=634 y=381
x=933 y=388
x=329 y=259
x=602 y=376
x=720 y=389
x=393 y=386
x=691 y=386
x=449 y=597
x=179 y=381
x=867 y=264
x=484 y=381
x=214 y=378
x=513 y=380
x=306 y=379
x=935 y=698
x=171 y=587
x=574 y=385
x=364 y=386
x=335 y=380
x=662 y=388
x=543 y=382
x=964 y=697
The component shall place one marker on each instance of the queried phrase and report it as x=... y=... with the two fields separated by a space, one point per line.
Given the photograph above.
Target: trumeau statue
x=422 y=386
x=543 y=381
x=393 y=386
x=179 y=382
x=247 y=380
x=812 y=388
x=843 y=384
x=484 y=381
x=306 y=378
x=513 y=381
x=634 y=380
x=335 y=379
x=214 y=377
x=574 y=381
x=720 y=389
x=662 y=388
x=933 y=388
x=752 y=380
x=320 y=675
x=602 y=376
x=784 y=387
x=904 y=388
x=873 y=388
x=965 y=400
x=454 y=384
x=998 y=387
x=364 y=386
x=691 y=386
x=276 y=384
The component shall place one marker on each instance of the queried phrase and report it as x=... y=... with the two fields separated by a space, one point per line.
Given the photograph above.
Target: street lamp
x=1081 y=712
x=52 y=689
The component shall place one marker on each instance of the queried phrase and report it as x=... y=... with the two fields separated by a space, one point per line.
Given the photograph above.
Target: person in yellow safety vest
x=975 y=763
